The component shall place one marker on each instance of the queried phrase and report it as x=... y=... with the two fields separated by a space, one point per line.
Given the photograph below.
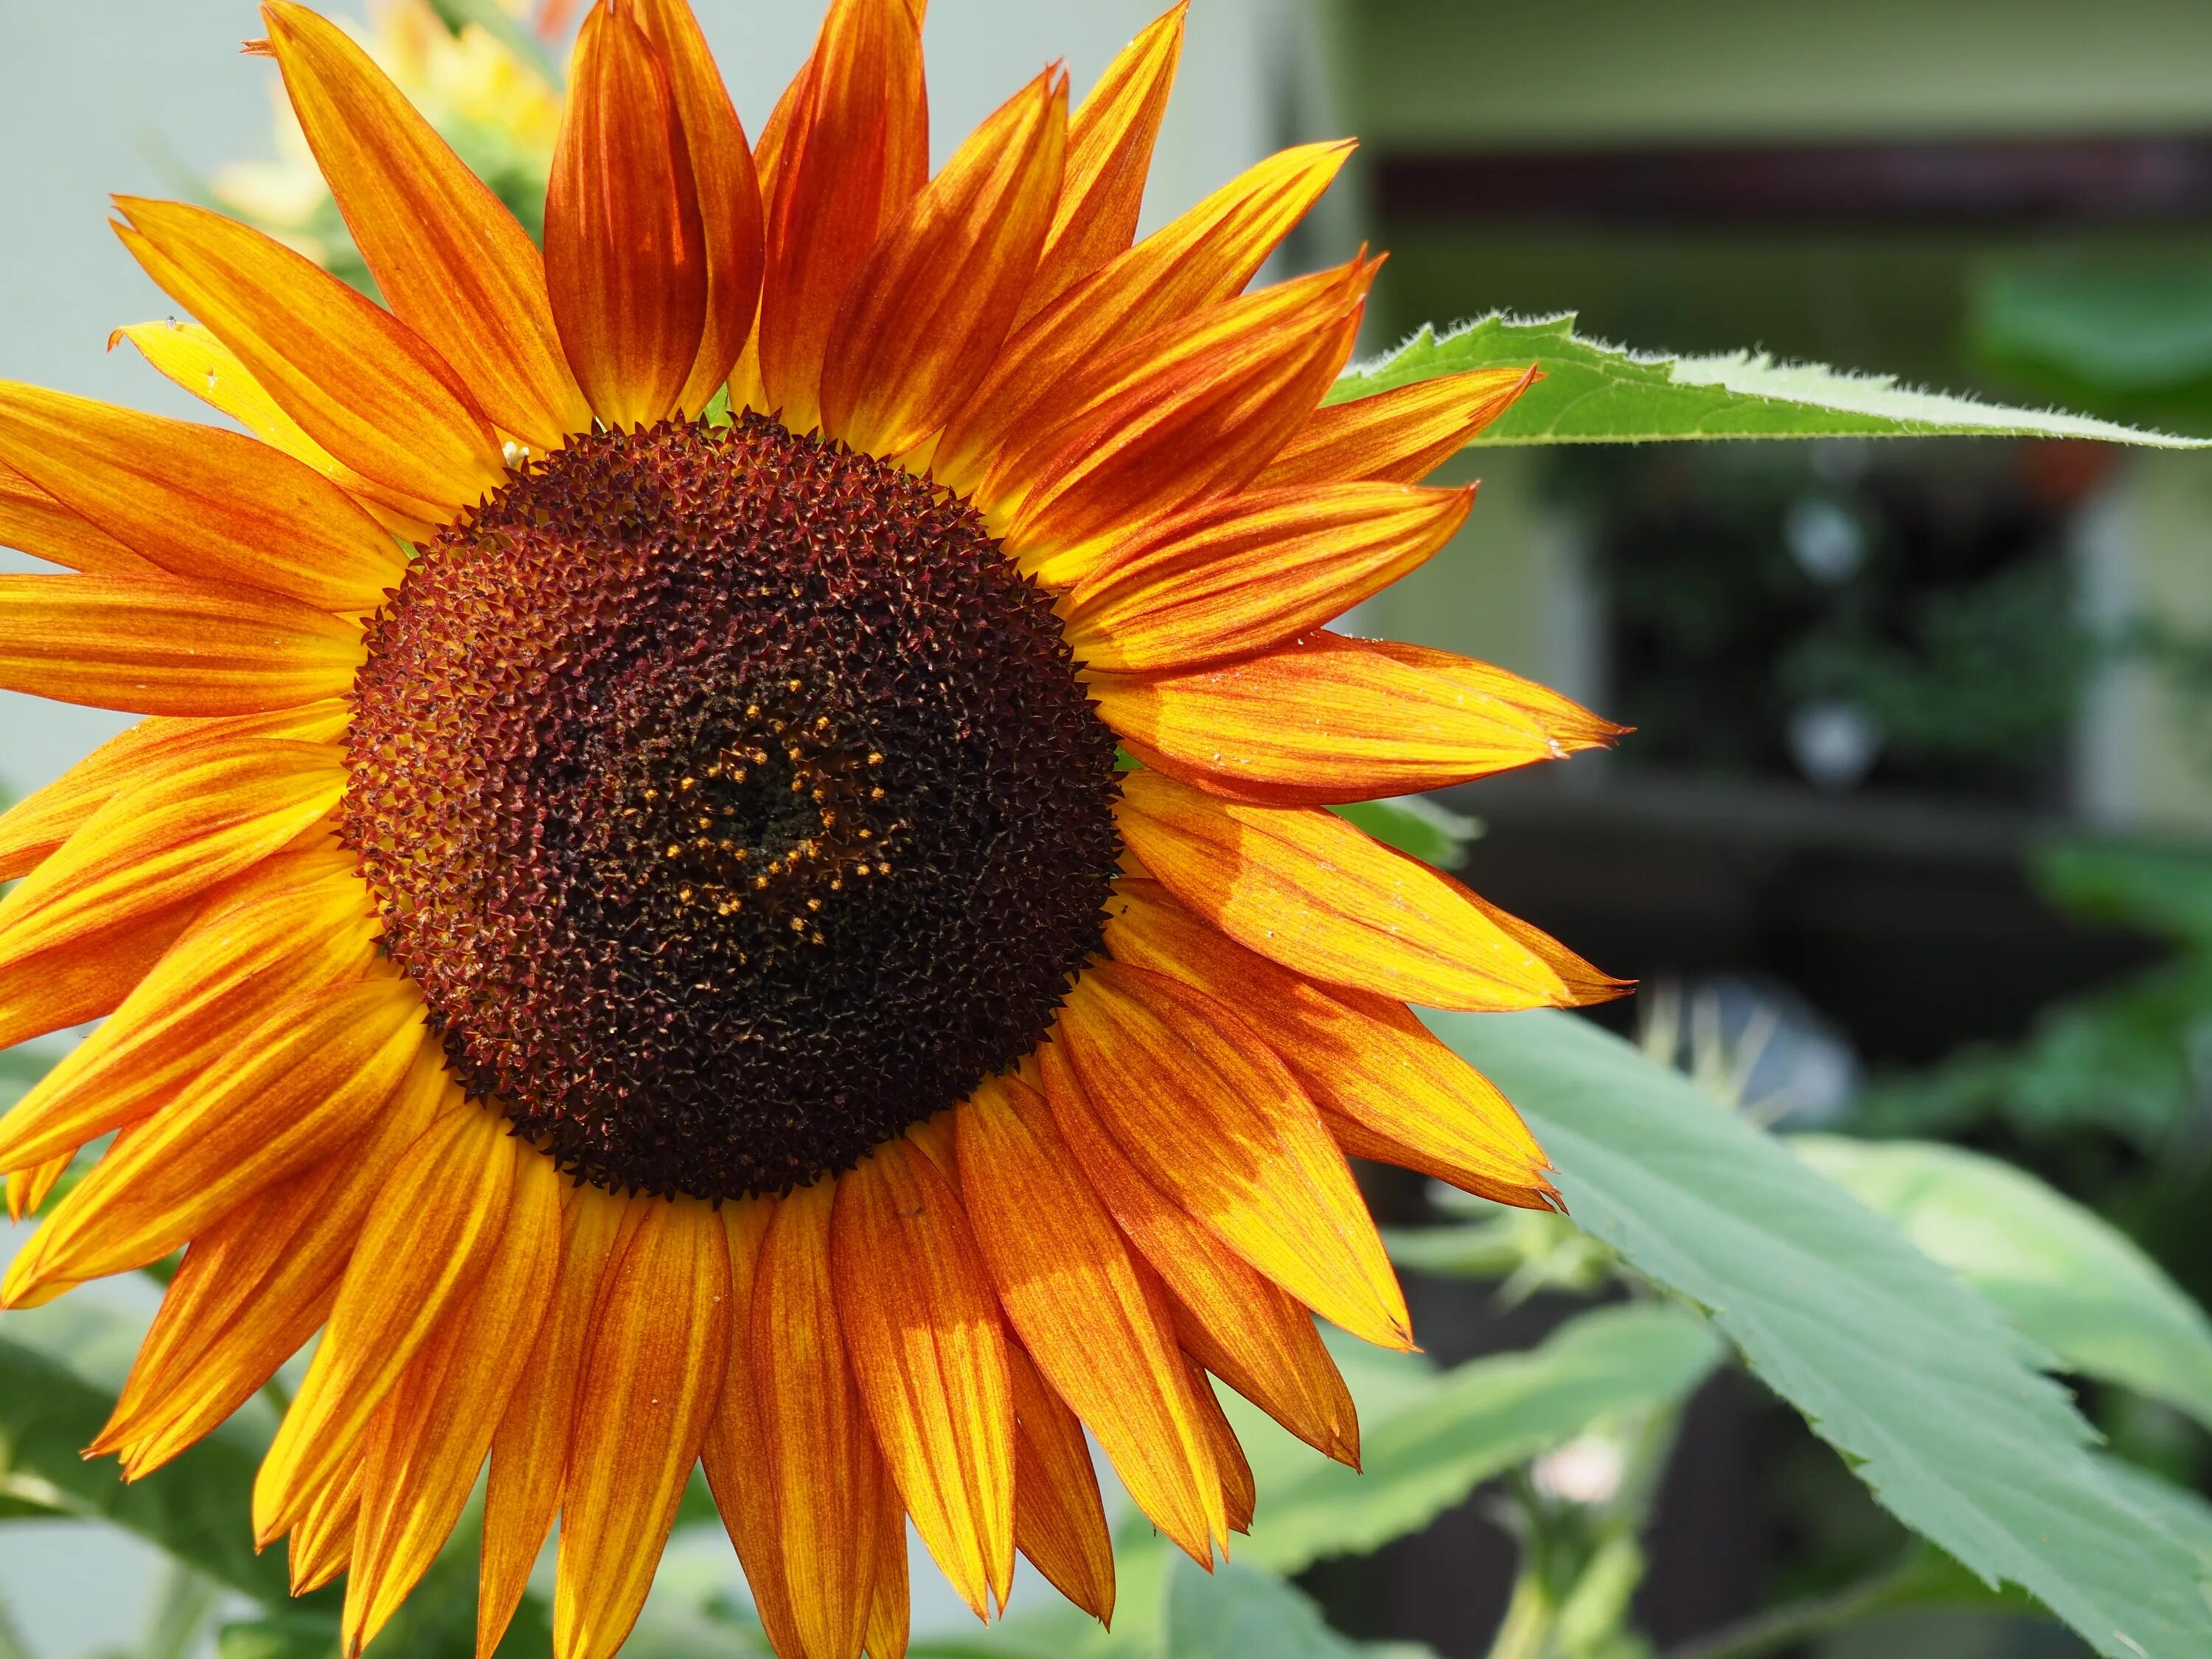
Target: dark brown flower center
x=733 y=801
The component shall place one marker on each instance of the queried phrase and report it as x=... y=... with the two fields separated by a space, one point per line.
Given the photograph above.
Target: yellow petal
x=651 y=1380
x=930 y=1355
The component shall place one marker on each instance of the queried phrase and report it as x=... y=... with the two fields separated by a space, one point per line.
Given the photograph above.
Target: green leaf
x=1475 y=1421
x=280 y=1636
x=1239 y=1613
x=1914 y=1378
x=1417 y=826
x=198 y=1509
x=2069 y=1279
x=1604 y=394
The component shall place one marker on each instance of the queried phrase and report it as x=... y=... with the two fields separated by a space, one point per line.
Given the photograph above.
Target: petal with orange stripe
x=447 y=256
x=728 y=191
x=192 y=1014
x=736 y=1454
x=1365 y=1060
x=198 y=501
x=86 y=976
x=1398 y=436
x=927 y=316
x=1246 y=572
x=163 y=647
x=530 y=1449
x=172 y=838
x=29 y=1188
x=32 y=521
x=195 y=361
x=1196 y=1102
x=311 y=1077
x=34 y=828
x=1191 y=410
x=890 y=1602
x=358 y=380
x=1327 y=719
x=1242 y=1326
x=1240 y=1495
x=922 y=1331
x=1060 y=1521
x=255 y=1287
x=652 y=1377
x=1305 y=889
x=440 y=1417
x=1109 y=155
x=321 y=1545
x=823 y=1463
x=625 y=246
x=1198 y=259
x=1084 y=1310
x=852 y=153
x=427 y=1241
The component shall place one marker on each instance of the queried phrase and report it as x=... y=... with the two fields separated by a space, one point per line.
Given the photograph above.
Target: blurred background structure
x=1922 y=771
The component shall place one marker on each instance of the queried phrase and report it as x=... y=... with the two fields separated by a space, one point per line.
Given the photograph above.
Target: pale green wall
x=1510 y=73
x=1485 y=74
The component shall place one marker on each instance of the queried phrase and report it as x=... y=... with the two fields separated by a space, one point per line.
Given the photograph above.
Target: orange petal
x=929 y=312
x=1239 y=1495
x=1060 y=1521
x=1365 y=1060
x=1243 y=574
x=652 y=1377
x=313 y=1076
x=1303 y=888
x=1253 y=1335
x=1217 y=1122
x=426 y=1243
x=728 y=191
x=169 y=647
x=34 y=829
x=736 y=1454
x=1199 y=260
x=258 y=1284
x=321 y=1545
x=200 y=501
x=447 y=256
x=172 y=838
x=190 y=1015
x=890 y=1605
x=921 y=1327
x=1192 y=411
x=85 y=978
x=33 y=522
x=1110 y=154
x=823 y=1462
x=440 y=1415
x=193 y=359
x=530 y=1449
x=625 y=247
x=852 y=152
x=1398 y=436
x=357 y=380
x=1327 y=719
x=29 y=1189
x=1084 y=1310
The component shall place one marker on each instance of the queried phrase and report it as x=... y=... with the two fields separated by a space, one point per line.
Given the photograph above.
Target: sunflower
x=730 y=862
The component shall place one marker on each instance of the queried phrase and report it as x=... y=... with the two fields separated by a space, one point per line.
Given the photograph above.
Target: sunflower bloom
x=729 y=862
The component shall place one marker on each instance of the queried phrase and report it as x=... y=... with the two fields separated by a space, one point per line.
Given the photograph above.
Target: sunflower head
x=729 y=862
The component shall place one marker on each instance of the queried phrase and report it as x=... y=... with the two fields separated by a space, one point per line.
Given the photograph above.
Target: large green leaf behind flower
x=1594 y=393
x=2063 y=1274
x=1918 y=1381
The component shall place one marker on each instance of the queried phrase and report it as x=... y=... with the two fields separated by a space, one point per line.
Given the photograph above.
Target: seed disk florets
x=732 y=799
